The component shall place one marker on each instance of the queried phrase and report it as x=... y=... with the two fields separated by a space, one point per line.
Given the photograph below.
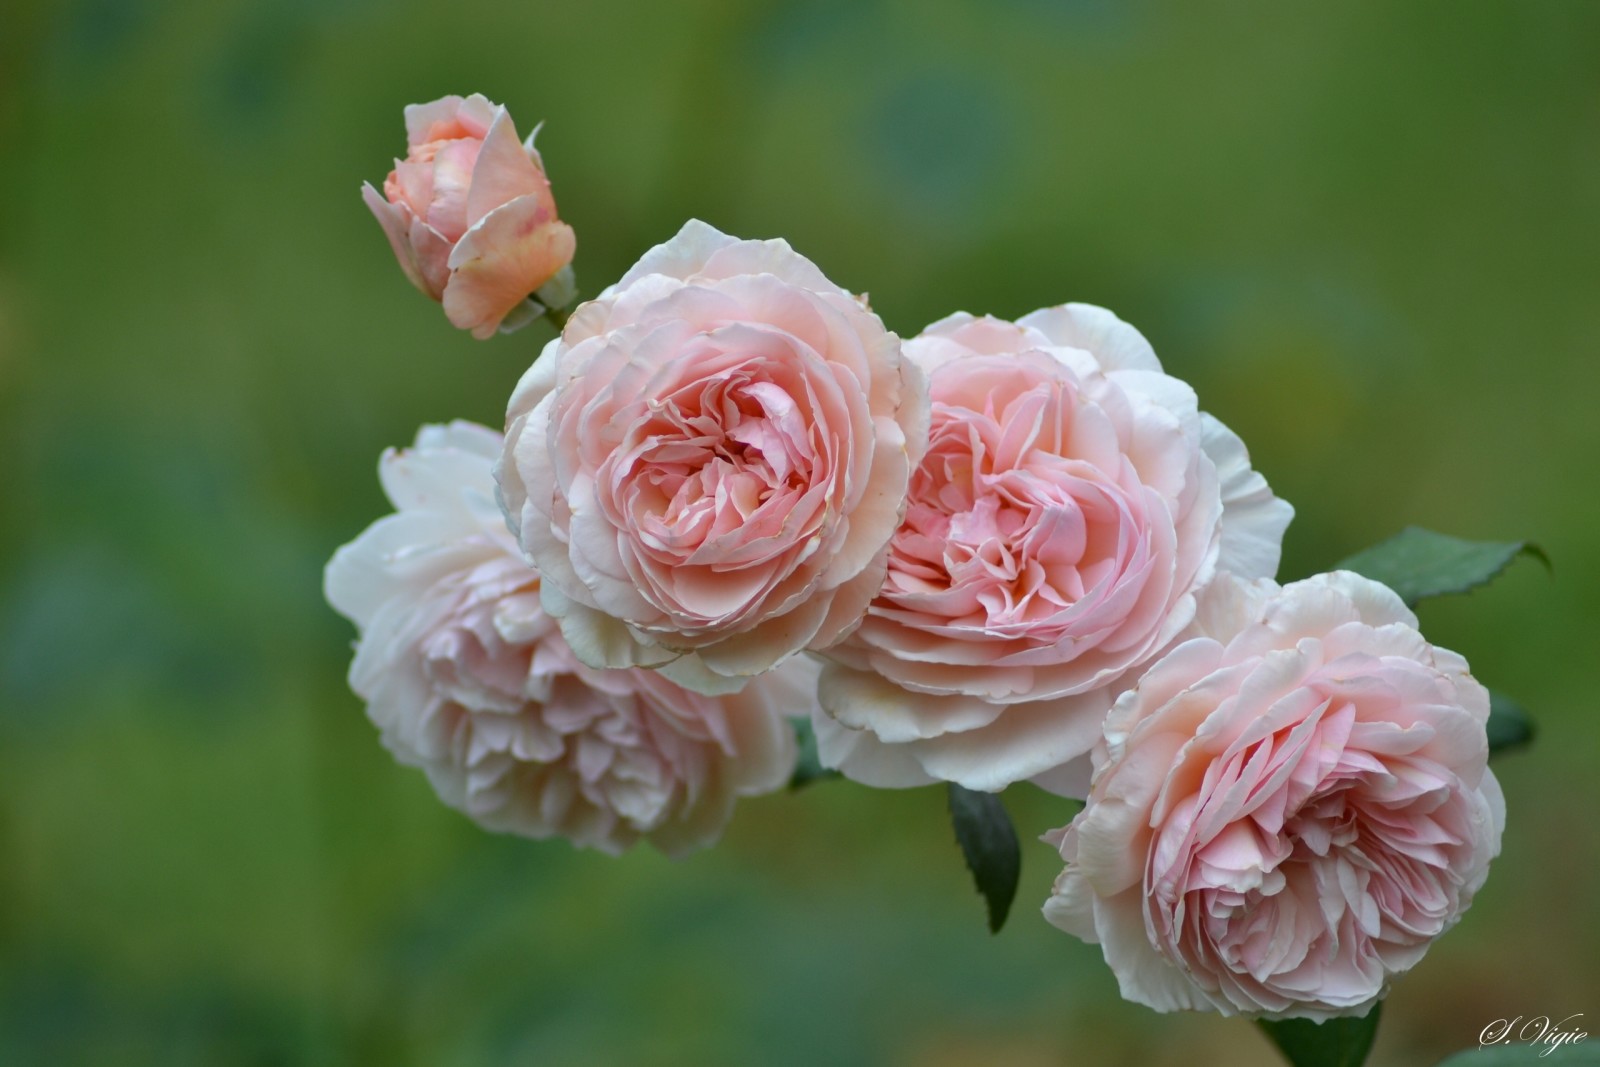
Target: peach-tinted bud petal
x=432 y=254
x=396 y=227
x=504 y=173
x=453 y=165
x=515 y=249
x=449 y=118
x=423 y=120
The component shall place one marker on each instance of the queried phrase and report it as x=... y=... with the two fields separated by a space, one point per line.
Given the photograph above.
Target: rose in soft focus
x=467 y=678
x=470 y=215
x=1287 y=810
x=707 y=466
x=1072 y=502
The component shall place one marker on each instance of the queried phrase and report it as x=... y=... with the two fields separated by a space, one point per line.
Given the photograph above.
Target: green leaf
x=1418 y=563
x=989 y=843
x=809 y=768
x=1585 y=1053
x=1335 y=1043
x=1509 y=724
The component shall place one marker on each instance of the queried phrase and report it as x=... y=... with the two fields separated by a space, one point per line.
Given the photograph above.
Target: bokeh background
x=1369 y=233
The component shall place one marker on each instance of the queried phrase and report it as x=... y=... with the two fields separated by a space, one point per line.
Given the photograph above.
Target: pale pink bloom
x=1072 y=502
x=466 y=677
x=1288 y=809
x=470 y=216
x=708 y=464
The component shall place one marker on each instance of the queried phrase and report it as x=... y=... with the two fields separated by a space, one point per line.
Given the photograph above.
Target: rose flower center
x=717 y=462
x=1341 y=862
x=1003 y=532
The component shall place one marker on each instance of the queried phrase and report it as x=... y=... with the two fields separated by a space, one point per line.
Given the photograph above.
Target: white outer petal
x=1114 y=344
x=861 y=757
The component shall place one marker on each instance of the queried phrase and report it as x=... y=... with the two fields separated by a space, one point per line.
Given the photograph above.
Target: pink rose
x=708 y=464
x=467 y=678
x=1072 y=502
x=1287 y=810
x=470 y=216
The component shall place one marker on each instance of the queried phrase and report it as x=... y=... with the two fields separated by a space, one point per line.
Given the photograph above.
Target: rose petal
x=506 y=255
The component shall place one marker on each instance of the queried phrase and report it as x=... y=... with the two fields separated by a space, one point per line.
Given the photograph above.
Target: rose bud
x=470 y=217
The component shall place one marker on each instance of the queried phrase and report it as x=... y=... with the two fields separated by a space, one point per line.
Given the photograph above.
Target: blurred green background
x=1369 y=233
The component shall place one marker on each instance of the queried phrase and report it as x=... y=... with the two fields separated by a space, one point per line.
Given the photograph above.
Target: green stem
x=558 y=317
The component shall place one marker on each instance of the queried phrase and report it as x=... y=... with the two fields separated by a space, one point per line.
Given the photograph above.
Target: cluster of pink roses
x=1000 y=551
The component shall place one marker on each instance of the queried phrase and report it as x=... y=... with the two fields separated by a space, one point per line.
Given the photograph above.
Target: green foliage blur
x=1368 y=232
